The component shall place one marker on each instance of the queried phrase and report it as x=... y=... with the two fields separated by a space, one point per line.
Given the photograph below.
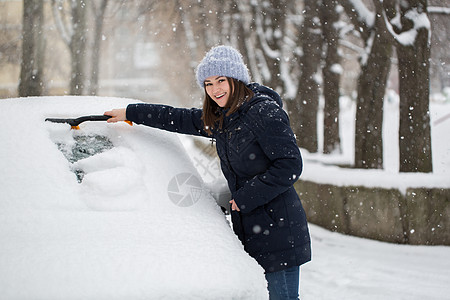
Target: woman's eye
x=208 y=84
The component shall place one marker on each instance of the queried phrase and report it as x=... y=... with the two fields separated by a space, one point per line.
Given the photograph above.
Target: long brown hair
x=212 y=116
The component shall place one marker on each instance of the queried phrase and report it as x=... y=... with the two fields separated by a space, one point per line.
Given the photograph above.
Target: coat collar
x=261 y=93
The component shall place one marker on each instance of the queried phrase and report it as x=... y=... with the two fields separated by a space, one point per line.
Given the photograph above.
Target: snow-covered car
x=109 y=211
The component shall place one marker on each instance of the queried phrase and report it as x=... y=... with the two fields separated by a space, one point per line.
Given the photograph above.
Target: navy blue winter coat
x=261 y=161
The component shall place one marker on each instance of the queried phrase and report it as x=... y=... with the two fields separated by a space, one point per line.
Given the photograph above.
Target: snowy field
x=351 y=268
x=120 y=235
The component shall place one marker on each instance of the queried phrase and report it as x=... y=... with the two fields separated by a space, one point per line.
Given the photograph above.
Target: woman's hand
x=117 y=115
x=234 y=205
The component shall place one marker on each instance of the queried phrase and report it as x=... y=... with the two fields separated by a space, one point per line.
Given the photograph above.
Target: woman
x=259 y=158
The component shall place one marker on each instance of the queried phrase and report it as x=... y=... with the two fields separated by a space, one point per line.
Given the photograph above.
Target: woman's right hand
x=234 y=205
x=119 y=114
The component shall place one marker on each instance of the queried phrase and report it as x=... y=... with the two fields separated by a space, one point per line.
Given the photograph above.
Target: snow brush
x=77 y=121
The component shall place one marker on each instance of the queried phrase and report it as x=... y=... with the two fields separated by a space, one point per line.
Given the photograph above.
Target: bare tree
x=413 y=55
x=270 y=20
x=73 y=33
x=33 y=44
x=375 y=66
x=185 y=20
x=304 y=111
x=99 y=14
x=440 y=56
x=413 y=51
x=331 y=76
x=235 y=30
x=247 y=39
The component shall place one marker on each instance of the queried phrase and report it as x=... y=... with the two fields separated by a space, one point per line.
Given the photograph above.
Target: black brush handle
x=78 y=121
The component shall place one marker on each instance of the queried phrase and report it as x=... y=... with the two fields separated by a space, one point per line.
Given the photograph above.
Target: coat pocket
x=244 y=138
x=258 y=222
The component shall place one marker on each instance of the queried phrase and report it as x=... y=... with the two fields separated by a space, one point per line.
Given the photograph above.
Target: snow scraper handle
x=75 y=122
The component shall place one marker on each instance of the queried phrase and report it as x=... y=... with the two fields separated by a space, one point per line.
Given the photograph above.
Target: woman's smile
x=220 y=96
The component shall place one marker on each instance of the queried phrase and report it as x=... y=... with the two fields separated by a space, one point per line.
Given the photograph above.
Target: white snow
x=364 y=14
x=408 y=38
x=320 y=168
x=346 y=267
x=118 y=235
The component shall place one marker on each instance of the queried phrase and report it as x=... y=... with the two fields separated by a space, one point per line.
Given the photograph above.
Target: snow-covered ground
x=351 y=268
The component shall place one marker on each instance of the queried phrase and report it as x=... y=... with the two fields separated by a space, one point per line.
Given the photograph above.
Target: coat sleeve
x=270 y=124
x=180 y=120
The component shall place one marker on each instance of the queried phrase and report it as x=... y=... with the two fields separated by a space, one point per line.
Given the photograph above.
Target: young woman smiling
x=259 y=158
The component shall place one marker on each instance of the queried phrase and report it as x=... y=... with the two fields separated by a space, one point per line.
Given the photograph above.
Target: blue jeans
x=283 y=285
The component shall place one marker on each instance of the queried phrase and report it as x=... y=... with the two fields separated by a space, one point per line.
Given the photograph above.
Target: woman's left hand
x=234 y=205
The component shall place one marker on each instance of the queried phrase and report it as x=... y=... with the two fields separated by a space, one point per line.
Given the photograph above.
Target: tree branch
x=64 y=30
x=361 y=17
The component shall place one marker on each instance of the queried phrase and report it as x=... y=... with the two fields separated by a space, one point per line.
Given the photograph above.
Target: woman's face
x=218 y=89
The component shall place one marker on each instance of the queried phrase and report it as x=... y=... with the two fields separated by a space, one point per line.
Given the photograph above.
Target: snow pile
x=121 y=233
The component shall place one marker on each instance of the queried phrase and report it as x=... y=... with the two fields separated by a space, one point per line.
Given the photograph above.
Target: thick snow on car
x=109 y=211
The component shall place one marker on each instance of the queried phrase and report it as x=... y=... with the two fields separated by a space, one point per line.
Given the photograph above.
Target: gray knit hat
x=222 y=61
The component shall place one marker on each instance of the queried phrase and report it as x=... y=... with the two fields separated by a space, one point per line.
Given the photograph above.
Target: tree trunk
x=331 y=77
x=98 y=31
x=78 y=47
x=270 y=28
x=304 y=111
x=31 y=73
x=250 y=49
x=371 y=91
x=414 y=84
x=238 y=34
